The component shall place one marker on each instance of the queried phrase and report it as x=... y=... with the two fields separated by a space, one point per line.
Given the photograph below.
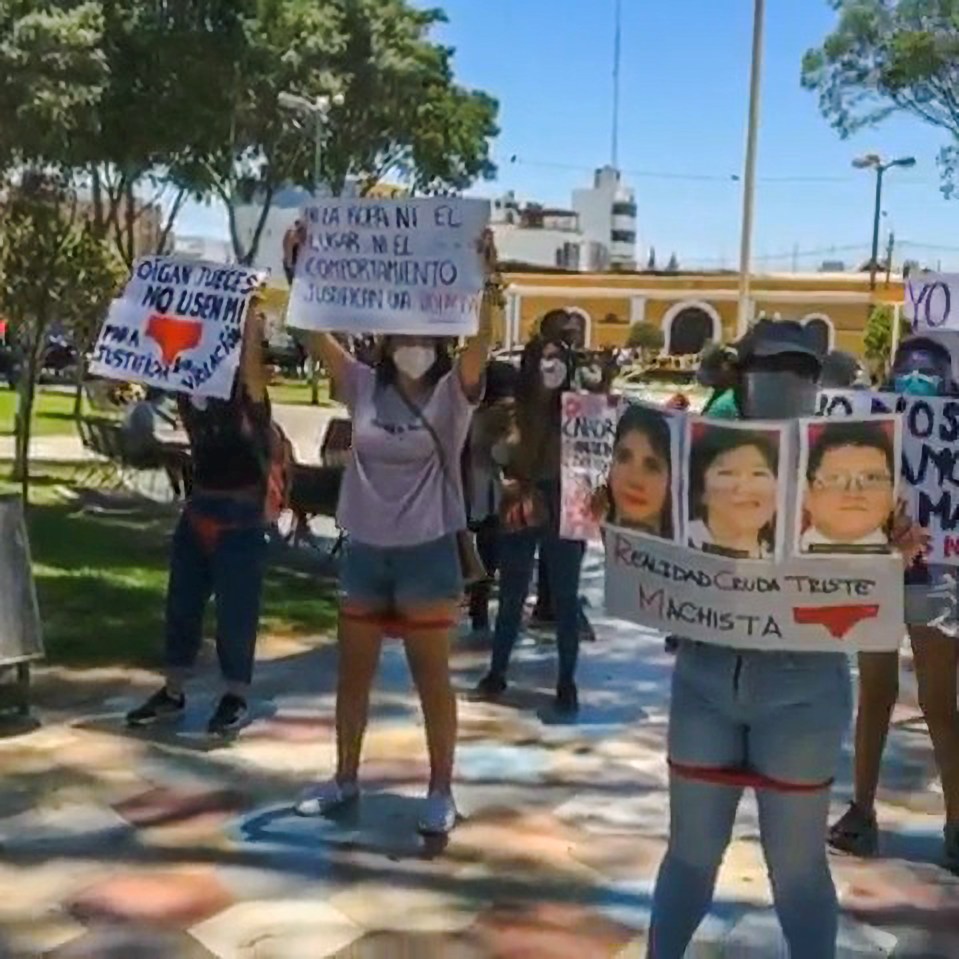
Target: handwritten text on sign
x=932 y=302
x=391 y=266
x=820 y=605
x=588 y=428
x=178 y=326
x=930 y=459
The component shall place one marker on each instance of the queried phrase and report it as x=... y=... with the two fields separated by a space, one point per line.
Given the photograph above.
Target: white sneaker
x=439 y=815
x=326 y=797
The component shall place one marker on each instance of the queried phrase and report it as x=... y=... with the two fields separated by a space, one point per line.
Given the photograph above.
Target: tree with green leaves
x=47 y=262
x=877 y=341
x=403 y=115
x=888 y=57
x=646 y=337
x=673 y=265
x=122 y=97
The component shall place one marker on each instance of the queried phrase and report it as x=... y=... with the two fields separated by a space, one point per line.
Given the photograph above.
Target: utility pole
x=749 y=176
x=890 y=249
x=617 y=61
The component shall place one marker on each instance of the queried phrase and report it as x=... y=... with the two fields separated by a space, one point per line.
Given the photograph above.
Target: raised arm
x=472 y=361
x=253 y=373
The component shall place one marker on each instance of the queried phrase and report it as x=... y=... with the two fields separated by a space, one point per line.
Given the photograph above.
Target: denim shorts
x=776 y=714
x=935 y=603
x=398 y=577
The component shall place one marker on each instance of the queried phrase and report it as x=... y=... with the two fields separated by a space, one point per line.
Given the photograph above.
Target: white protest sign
x=932 y=302
x=823 y=605
x=930 y=462
x=588 y=426
x=178 y=326
x=391 y=266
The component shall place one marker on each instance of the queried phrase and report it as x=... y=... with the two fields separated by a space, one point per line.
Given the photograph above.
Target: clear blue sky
x=685 y=78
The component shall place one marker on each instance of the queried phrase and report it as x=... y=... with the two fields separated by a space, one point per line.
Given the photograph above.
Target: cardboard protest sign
x=737 y=475
x=803 y=605
x=178 y=326
x=849 y=483
x=932 y=302
x=627 y=452
x=929 y=464
x=391 y=266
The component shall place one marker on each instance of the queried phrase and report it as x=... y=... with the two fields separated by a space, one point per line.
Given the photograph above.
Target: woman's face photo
x=739 y=495
x=850 y=496
x=639 y=483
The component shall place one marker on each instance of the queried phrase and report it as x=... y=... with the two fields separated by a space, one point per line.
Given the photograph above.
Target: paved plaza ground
x=163 y=845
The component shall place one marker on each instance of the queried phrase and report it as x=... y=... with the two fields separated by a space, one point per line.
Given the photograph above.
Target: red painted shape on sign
x=173 y=335
x=839 y=620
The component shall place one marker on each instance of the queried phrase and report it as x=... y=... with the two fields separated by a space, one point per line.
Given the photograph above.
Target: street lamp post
x=318 y=110
x=872 y=161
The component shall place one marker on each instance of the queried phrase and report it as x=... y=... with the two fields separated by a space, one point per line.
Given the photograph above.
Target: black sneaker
x=490 y=687
x=567 y=699
x=856 y=833
x=160 y=707
x=229 y=716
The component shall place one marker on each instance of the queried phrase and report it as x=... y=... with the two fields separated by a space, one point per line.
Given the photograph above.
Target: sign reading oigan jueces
x=802 y=605
x=178 y=326
x=391 y=266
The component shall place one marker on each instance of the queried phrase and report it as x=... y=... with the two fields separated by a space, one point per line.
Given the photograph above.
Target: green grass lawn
x=101 y=581
x=52 y=412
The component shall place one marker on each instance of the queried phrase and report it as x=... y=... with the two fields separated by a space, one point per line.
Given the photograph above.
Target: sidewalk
x=165 y=846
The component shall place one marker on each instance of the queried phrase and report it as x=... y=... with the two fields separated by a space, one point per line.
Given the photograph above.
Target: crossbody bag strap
x=434 y=436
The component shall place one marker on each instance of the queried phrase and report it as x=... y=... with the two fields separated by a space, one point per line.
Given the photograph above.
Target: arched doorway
x=689 y=326
x=821 y=331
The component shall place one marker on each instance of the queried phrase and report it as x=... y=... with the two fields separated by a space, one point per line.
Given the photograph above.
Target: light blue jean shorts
x=400 y=577
x=935 y=603
x=776 y=714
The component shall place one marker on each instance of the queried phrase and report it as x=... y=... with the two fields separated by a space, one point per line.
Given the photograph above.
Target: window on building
x=624 y=209
x=623 y=236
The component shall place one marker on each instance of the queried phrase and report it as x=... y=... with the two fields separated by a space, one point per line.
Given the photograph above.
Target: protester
x=717 y=373
x=484 y=481
x=843 y=371
x=531 y=515
x=922 y=367
x=219 y=545
x=771 y=720
x=402 y=508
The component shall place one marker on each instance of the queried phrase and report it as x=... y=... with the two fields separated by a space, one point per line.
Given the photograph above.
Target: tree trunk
x=81 y=377
x=24 y=422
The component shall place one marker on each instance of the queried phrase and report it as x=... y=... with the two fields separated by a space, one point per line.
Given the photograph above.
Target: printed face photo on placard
x=734 y=498
x=849 y=471
x=643 y=482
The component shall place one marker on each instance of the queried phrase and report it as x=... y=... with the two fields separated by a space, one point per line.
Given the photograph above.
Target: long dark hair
x=715 y=443
x=386 y=371
x=654 y=425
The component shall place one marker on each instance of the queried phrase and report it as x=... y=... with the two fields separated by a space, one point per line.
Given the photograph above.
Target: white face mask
x=414 y=361
x=553 y=372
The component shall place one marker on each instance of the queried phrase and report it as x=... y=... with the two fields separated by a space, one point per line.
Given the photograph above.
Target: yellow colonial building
x=692 y=309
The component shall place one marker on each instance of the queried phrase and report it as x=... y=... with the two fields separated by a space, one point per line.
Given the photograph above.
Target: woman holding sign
x=922 y=368
x=402 y=509
x=531 y=513
x=767 y=720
